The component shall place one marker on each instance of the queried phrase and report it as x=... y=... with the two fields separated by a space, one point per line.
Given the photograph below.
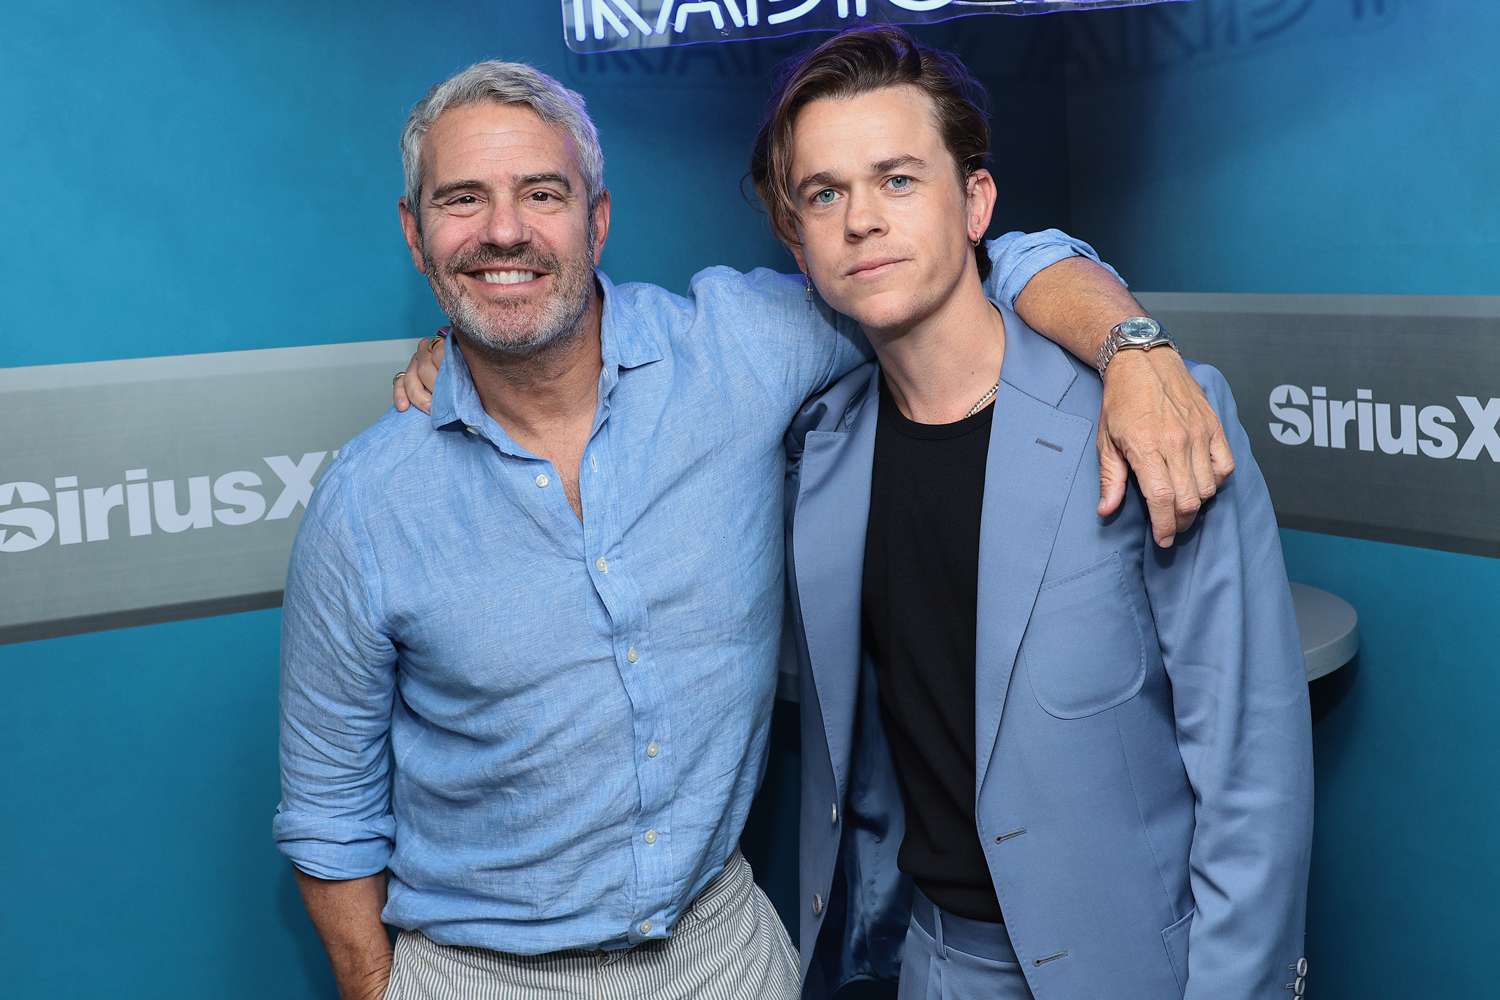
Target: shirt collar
x=628 y=336
x=626 y=340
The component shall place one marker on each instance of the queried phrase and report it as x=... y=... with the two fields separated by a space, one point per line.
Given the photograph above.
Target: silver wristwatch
x=1137 y=333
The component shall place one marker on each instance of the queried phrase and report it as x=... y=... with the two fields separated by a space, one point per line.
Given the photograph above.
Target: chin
x=881 y=311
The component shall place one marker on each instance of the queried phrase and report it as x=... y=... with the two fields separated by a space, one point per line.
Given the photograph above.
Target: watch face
x=1139 y=330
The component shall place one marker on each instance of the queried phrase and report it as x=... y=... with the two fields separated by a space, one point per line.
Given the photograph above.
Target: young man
x=530 y=641
x=1041 y=756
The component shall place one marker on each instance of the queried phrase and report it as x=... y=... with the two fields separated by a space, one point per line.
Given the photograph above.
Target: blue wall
x=185 y=177
x=1337 y=146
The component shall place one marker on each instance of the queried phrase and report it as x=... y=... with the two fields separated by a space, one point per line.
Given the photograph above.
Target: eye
x=542 y=197
x=900 y=182
x=825 y=197
x=462 y=204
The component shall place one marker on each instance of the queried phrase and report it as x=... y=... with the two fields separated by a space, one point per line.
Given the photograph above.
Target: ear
x=979 y=202
x=413 y=234
x=601 y=225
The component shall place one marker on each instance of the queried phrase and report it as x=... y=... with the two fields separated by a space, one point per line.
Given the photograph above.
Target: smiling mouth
x=505 y=277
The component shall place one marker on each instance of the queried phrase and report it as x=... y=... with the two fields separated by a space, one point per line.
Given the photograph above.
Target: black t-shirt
x=921 y=583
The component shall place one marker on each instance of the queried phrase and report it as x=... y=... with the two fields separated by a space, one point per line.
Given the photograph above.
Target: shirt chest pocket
x=1085 y=649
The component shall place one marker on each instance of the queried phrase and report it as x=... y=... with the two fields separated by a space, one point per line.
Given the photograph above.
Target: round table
x=1329 y=628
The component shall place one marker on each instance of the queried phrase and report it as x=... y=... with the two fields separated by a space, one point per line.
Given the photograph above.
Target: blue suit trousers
x=948 y=957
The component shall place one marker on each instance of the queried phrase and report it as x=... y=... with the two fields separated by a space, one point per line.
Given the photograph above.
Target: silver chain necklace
x=984 y=400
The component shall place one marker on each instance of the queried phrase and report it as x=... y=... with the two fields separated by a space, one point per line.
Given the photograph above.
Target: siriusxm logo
x=1395 y=429
x=31 y=515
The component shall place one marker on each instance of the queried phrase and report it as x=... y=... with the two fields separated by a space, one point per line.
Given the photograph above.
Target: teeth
x=506 y=277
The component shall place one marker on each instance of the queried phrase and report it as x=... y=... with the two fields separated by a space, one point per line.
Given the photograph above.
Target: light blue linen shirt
x=548 y=729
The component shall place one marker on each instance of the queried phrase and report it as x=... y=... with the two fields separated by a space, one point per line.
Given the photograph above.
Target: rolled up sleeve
x=1016 y=258
x=338 y=680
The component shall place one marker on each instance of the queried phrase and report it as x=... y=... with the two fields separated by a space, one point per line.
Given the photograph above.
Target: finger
x=398 y=395
x=1221 y=456
x=426 y=366
x=1113 y=475
x=1203 y=469
x=1156 y=485
x=1185 y=500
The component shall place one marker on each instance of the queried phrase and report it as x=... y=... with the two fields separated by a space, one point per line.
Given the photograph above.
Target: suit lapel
x=828 y=557
x=1033 y=458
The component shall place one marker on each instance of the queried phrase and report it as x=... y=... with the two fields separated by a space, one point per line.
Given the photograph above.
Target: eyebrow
x=895 y=162
x=453 y=187
x=825 y=178
x=822 y=178
x=548 y=178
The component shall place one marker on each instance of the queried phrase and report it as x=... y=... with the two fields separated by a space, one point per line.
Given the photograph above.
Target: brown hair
x=856 y=62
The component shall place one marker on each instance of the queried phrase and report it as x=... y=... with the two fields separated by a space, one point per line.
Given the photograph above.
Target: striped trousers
x=729 y=945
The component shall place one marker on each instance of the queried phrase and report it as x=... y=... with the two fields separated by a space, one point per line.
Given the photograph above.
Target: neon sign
x=612 y=25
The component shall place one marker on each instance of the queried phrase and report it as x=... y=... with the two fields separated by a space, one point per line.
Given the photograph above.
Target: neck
x=529 y=394
x=938 y=367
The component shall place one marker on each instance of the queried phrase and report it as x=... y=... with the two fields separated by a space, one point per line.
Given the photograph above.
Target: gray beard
x=560 y=325
x=562 y=313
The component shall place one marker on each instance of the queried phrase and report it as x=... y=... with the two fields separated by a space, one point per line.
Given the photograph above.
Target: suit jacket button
x=835 y=814
x=1301 y=967
x=817 y=905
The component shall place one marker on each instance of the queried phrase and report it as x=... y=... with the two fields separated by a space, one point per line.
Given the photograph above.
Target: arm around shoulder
x=775 y=329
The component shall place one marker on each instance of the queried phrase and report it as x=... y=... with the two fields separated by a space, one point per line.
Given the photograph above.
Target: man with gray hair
x=530 y=640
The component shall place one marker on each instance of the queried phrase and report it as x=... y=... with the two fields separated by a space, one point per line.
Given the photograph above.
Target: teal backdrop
x=185 y=177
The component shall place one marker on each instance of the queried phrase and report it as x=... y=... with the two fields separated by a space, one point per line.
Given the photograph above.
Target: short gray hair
x=504 y=83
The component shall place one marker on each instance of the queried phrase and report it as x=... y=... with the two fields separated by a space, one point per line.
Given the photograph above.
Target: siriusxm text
x=32 y=515
x=1465 y=431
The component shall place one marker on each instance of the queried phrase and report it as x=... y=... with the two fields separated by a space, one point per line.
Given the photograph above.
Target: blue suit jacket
x=1144 y=769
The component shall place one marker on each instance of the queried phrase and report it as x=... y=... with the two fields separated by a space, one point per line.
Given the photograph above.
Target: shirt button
x=632 y=655
x=645 y=927
x=652 y=749
x=542 y=480
x=650 y=836
x=603 y=566
x=469 y=430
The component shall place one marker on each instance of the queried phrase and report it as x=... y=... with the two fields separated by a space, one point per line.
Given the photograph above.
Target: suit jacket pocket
x=1175 y=938
x=1084 y=647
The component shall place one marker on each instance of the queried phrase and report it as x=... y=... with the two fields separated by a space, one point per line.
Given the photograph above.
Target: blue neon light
x=613 y=25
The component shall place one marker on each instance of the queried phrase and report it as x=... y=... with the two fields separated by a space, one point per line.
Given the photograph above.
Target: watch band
x=1117 y=342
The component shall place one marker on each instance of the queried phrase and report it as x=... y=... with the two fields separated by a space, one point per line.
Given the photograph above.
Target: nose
x=505 y=226
x=864 y=216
